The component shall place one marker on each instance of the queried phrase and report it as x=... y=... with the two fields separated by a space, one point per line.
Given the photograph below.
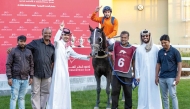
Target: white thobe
x=145 y=69
x=60 y=94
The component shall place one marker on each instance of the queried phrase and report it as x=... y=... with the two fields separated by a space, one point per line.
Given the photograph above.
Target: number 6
x=121 y=62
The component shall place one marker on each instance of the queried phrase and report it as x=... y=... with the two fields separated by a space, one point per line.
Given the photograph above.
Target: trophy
x=73 y=41
x=81 y=40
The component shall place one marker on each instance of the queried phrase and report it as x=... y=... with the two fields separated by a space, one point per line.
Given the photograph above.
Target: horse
x=100 y=62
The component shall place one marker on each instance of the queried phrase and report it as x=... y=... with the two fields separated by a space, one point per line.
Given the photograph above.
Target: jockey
x=109 y=23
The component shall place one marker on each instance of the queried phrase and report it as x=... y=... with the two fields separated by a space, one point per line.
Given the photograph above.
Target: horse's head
x=97 y=41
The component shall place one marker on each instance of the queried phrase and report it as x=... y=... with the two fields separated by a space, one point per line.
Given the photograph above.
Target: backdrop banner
x=29 y=17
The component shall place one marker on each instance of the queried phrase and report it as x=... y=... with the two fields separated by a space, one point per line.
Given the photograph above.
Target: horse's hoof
x=96 y=107
x=108 y=108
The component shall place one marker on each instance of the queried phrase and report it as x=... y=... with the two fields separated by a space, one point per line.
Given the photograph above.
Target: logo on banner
x=36 y=14
x=6 y=43
x=21 y=28
x=51 y=1
x=14 y=21
x=78 y=16
x=50 y=14
x=27 y=5
x=21 y=13
x=71 y=22
x=43 y=2
x=43 y=21
x=28 y=21
x=36 y=28
x=71 y=59
x=6 y=13
x=84 y=22
x=6 y=28
x=53 y=29
x=28 y=35
x=89 y=15
x=57 y=22
x=13 y=35
x=1 y=21
x=85 y=37
x=1 y=36
x=78 y=29
x=64 y=15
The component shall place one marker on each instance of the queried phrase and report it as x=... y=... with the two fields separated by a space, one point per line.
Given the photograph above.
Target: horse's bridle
x=98 y=47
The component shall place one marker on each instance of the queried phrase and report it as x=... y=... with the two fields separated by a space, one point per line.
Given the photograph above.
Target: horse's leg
x=98 y=90
x=108 y=90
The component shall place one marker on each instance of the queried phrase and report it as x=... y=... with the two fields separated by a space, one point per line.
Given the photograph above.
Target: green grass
x=86 y=99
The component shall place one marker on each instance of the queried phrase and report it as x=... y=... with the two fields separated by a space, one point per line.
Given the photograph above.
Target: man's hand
x=89 y=56
x=10 y=82
x=138 y=79
x=62 y=25
x=177 y=79
x=9 y=50
x=157 y=80
x=30 y=81
x=110 y=53
x=97 y=9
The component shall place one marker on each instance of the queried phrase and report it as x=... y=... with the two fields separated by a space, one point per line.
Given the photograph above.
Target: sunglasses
x=145 y=36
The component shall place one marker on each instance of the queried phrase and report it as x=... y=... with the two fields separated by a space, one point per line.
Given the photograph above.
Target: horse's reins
x=97 y=46
x=134 y=81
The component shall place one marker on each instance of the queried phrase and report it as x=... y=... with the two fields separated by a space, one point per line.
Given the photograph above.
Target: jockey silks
x=110 y=29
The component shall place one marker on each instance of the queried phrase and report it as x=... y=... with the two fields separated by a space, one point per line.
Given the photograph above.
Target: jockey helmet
x=107 y=8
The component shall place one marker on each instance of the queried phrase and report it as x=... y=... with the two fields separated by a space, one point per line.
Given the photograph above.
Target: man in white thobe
x=60 y=94
x=145 y=66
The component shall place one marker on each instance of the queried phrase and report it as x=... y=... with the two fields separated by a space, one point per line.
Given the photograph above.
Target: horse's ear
x=102 y=28
x=91 y=29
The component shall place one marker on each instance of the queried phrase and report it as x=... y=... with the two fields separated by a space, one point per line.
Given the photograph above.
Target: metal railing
x=183 y=58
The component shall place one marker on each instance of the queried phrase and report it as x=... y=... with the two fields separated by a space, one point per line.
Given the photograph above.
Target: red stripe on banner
x=29 y=17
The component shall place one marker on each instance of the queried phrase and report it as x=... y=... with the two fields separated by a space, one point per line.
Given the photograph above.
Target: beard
x=124 y=43
x=22 y=46
x=107 y=16
x=46 y=38
x=145 y=41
